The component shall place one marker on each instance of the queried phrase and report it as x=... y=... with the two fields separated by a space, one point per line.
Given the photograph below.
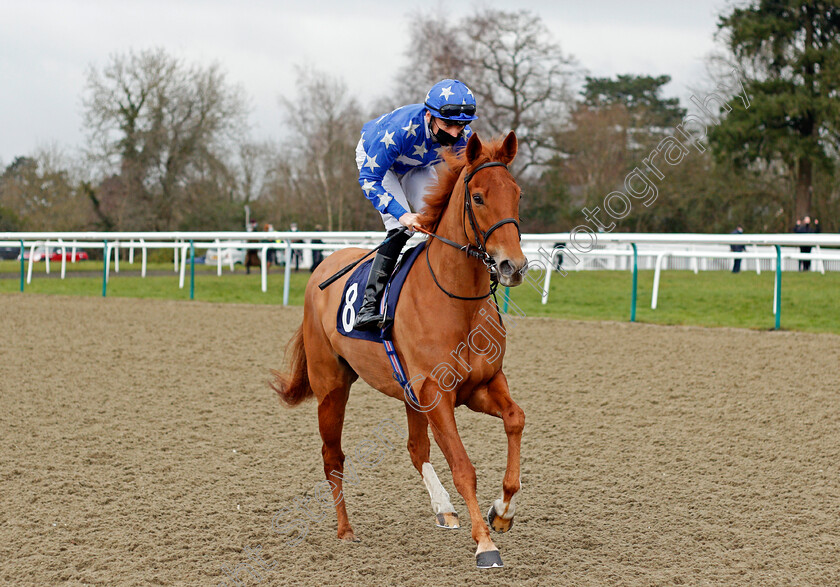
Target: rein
x=479 y=251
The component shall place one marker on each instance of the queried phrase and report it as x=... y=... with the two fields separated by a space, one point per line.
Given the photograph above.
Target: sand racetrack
x=141 y=445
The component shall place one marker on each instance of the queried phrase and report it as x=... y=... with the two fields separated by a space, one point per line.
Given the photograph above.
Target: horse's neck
x=459 y=273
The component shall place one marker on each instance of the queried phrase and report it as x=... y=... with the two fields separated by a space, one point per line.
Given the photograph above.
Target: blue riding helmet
x=451 y=100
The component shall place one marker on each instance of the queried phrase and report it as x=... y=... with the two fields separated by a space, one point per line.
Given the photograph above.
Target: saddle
x=354 y=292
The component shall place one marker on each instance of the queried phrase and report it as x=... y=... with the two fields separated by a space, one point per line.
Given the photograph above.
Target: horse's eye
x=478 y=199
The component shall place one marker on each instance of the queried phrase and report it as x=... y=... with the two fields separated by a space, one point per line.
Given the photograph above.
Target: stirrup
x=368 y=318
x=369 y=323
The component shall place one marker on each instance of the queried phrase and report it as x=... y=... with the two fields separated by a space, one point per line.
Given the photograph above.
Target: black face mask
x=444 y=138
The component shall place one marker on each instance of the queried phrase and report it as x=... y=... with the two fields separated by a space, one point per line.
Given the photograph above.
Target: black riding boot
x=383 y=265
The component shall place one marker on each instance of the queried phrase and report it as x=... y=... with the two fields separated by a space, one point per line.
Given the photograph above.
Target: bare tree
x=595 y=150
x=157 y=125
x=326 y=123
x=519 y=75
x=43 y=192
x=437 y=49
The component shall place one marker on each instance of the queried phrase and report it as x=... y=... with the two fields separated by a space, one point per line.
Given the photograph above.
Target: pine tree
x=789 y=53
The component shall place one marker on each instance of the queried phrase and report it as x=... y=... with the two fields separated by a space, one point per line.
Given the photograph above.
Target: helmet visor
x=455 y=111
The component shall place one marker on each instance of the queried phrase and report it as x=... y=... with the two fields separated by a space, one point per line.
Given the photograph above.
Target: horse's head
x=491 y=206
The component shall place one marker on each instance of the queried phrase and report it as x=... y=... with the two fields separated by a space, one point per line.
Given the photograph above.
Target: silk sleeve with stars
x=382 y=149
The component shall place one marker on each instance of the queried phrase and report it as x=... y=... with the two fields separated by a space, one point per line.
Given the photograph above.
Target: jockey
x=395 y=157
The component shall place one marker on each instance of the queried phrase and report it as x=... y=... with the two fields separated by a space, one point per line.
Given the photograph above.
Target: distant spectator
x=317 y=254
x=558 y=256
x=736 y=266
x=252 y=256
x=804 y=227
x=270 y=252
x=296 y=253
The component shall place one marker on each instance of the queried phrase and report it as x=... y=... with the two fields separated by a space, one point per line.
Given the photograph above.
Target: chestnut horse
x=445 y=332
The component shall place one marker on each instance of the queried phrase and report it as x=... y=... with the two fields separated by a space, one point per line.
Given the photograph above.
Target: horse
x=445 y=330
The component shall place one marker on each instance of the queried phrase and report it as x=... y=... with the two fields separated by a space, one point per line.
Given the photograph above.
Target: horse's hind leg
x=330 y=422
x=418 y=448
x=330 y=379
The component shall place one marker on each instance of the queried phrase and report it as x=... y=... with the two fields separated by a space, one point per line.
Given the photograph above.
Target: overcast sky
x=46 y=46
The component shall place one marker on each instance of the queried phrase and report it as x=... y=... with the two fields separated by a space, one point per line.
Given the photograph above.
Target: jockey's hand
x=411 y=221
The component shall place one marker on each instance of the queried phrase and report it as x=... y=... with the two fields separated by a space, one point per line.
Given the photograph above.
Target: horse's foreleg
x=496 y=401
x=330 y=422
x=418 y=448
x=442 y=419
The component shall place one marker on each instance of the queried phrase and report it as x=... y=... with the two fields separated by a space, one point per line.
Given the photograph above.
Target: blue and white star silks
x=388 y=138
x=400 y=141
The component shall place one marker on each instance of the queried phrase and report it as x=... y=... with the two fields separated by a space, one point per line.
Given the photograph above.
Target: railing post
x=635 y=282
x=144 y=256
x=106 y=255
x=264 y=269
x=183 y=272
x=219 y=256
x=63 y=258
x=547 y=282
x=29 y=265
x=192 y=269
x=778 y=295
x=656 y=273
x=22 y=250
x=819 y=260
x=287 y=273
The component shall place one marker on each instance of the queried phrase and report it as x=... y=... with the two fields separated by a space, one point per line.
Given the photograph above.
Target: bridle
x=479 y=250
x=469 y=213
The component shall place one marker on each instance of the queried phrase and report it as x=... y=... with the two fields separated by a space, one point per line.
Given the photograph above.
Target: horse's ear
x=509 y=147
x=473 y=148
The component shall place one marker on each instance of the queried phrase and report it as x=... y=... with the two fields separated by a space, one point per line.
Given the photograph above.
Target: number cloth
x=354 y=292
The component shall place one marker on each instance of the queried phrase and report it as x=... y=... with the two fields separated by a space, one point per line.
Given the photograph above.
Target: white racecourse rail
x=579 y=251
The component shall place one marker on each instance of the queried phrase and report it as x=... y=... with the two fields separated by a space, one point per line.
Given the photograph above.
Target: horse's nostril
x=506 y=268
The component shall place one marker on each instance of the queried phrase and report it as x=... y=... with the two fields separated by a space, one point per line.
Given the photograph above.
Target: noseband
x=479 y=250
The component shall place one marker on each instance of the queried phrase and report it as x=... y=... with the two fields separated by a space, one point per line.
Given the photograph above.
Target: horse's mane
x=438 y=197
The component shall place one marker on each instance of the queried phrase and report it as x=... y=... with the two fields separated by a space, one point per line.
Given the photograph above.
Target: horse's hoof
x=488 y=559
x=447 y=520
x=348 y=537
x=498 y=523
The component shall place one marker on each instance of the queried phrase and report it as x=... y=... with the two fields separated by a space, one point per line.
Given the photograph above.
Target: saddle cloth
x=353 y=296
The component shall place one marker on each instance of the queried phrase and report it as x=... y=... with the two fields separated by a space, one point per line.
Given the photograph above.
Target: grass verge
x=810 y=301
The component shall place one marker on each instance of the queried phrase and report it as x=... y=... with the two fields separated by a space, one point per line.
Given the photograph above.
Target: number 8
x=348 y=314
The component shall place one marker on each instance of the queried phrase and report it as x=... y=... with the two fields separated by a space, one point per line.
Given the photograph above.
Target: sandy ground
x=141 y=445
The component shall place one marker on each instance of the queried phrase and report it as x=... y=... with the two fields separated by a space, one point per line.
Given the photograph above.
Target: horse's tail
x=293 y=387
